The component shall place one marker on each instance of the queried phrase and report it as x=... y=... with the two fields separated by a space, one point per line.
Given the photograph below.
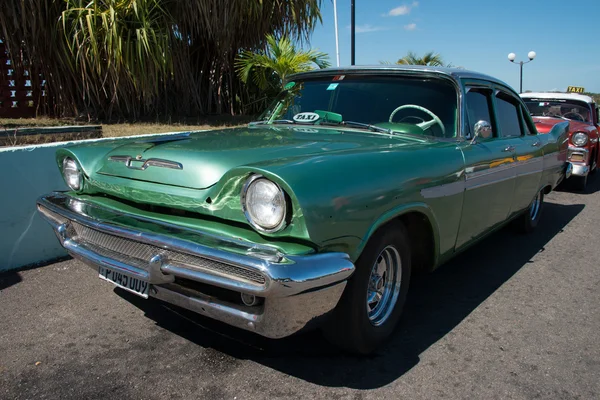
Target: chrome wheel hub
x=384 y=285
x=534 y=209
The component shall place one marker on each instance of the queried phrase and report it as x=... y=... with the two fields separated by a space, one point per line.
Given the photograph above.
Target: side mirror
x=482 y=129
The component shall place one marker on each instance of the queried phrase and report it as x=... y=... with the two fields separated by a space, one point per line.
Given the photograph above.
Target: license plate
x=127 y=282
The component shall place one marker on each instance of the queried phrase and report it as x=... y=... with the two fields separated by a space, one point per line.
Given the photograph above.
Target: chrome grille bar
x=143 y=253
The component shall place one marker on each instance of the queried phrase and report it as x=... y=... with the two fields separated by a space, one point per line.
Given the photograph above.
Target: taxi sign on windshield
x=575 y=89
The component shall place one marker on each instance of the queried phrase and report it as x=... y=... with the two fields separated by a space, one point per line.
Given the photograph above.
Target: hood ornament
x=140 y=164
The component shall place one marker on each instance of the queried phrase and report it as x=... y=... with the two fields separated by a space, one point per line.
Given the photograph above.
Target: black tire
x=350 y=326
x=578 y=183
x=529 y=220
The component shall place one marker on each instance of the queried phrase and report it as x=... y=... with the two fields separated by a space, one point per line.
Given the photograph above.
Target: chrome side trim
x=490 y=176
x=531 y=166
x=448 y=189
x=151 y=162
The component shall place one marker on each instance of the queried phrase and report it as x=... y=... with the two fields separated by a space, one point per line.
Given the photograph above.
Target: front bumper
x=296 y=289
x=579 y=157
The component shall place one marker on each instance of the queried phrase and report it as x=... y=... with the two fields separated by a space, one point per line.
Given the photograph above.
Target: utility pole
x=352 y=19
x=337 y=42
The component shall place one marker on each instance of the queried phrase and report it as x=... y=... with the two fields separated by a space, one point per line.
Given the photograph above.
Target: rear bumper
x=295 y=290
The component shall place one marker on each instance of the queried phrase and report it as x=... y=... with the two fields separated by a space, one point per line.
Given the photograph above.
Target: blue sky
x=476 y=34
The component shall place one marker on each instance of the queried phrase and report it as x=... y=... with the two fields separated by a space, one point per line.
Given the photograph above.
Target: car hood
x=544 y=124
x=199 y=159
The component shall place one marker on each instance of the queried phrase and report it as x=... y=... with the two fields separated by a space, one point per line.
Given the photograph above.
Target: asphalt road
x=513 y=317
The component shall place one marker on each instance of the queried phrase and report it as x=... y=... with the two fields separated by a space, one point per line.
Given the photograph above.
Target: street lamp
x=511 y=58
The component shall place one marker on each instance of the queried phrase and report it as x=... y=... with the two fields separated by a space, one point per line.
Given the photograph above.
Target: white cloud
x=410 y=27
x=401 y=10
x=367 y=28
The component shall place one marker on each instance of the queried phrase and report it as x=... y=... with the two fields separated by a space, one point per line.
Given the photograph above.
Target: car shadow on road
x=592 y=187
x=9 y=278
x=437 y=303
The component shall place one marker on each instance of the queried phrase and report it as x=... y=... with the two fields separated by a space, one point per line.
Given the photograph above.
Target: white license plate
x=127 y=282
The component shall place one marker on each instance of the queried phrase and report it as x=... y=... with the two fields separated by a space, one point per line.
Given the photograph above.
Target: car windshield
x=570 y=109
x=416 y=106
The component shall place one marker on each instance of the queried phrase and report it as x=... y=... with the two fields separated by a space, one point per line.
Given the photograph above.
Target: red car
x=547 y=109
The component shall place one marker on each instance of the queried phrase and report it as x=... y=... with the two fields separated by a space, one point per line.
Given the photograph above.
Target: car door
x=489 y=169
x=529 y=161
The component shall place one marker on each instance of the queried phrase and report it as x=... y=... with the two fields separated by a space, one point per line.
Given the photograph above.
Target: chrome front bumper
x=295 y=290
x=580 y=168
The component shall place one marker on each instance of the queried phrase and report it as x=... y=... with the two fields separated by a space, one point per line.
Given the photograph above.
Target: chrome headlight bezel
x=72 y=167
x=584 y=139
x=247 y=208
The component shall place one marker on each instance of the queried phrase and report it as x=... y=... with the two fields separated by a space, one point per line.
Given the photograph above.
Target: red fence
x=20 y=95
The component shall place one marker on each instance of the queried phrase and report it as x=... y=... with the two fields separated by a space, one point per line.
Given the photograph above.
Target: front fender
x=344 y=199
x=398 y=212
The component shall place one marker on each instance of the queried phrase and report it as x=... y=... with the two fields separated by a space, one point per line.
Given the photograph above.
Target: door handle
x=509 y=148
x=536 y=144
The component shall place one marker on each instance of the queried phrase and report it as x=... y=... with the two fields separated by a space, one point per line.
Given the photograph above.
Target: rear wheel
x=375 y=295
x=529 y=220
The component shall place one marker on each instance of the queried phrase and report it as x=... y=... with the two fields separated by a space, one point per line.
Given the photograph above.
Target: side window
x=507 y=116
x=479 y=107
x=528 y=126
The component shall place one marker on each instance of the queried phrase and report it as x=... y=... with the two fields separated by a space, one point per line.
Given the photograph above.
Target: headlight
x=264 y=204
x=579 y=139
x=72 y=174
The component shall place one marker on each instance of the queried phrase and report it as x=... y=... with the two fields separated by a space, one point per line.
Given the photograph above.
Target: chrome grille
x=187 y=260
x=139 y=254
x=116 y=244
x=134 y=262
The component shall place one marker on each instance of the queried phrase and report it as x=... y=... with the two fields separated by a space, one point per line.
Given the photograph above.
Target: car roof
x=558 y=96
x=454 y=73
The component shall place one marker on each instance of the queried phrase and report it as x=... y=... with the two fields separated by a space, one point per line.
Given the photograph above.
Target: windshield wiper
x=275 y=121
x=353 y=124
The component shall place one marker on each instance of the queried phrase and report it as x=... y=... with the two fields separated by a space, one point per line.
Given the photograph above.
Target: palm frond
x=429 y=58
x=147 y=57
x=270 y=67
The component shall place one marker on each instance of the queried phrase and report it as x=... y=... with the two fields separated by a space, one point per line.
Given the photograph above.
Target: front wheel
x=375 y=295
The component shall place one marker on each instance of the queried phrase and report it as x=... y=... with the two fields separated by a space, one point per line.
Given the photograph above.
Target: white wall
x=27 y=173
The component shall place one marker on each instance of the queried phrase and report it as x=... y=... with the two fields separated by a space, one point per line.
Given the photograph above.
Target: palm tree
x=269 y=68
x=429 y=58
x=134 y=58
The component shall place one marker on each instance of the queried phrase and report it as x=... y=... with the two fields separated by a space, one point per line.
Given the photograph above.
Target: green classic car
x=317 y=213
